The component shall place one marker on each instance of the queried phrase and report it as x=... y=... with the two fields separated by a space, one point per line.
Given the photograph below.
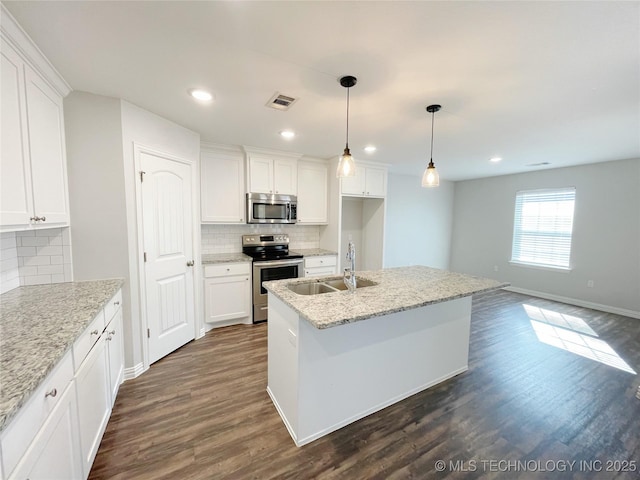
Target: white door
x=166 y=194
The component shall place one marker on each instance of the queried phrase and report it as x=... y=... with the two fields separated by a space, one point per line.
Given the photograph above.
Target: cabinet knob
x=95 y=332
x=51 y=394
x=109 y=338
x=190 y=263
x=112 y=332
x=44 y=219
x=116 y=303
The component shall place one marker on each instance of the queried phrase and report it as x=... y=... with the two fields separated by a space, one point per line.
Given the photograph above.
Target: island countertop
x=38 y=324
x=398 y=289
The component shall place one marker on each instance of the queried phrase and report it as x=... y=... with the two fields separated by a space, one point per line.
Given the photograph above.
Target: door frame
x=138 y=149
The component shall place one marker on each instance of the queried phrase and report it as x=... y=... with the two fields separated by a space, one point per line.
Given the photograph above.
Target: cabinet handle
x=44 y=219
x=112 y=332
x=95 y=332
x=51 y=394
x=109 y=338
x=116 y=303
x=190 y=263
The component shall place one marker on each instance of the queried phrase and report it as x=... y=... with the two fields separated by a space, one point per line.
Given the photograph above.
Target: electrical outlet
x=589 y=283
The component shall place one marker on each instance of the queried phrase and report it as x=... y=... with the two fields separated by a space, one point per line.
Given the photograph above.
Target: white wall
x=418 y=222
x=606 y=235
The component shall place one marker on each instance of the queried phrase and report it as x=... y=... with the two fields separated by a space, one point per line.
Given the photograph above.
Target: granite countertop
x=398 y=289
x=211 y=258
x=38 y=325
x=312 y=252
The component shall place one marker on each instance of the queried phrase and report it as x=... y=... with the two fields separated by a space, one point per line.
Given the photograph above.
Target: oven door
x=266 y=271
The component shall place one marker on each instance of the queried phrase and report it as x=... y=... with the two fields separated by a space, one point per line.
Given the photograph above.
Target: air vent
x=541 y=164
x=281 y=102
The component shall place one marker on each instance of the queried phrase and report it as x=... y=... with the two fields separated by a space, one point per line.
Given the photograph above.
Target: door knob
x=190 y=263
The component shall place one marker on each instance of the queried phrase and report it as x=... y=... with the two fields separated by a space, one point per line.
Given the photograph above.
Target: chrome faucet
x=350 y=272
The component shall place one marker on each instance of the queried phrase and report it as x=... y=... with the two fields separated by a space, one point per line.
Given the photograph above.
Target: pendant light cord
x=432 y=117
x=347 y=141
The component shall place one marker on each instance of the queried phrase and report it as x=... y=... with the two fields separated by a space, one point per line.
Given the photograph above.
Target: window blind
x=543 y=226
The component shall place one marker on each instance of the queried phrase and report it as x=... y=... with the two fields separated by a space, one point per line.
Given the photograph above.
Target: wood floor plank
x=203 y=411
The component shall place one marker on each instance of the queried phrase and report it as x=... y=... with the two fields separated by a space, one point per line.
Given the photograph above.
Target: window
x=542 y=227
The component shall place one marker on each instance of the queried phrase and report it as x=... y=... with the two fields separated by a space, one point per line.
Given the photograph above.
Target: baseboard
x=576 y=302
x=133 y=372
x=283 y=417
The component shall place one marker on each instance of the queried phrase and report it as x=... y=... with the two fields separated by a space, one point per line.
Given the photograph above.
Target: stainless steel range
x=271 y=261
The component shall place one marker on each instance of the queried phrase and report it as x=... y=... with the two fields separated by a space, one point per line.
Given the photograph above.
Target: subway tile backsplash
x=227 y=238
x=35 y=257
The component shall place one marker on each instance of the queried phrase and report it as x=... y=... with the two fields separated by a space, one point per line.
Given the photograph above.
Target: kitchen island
x=337 y=357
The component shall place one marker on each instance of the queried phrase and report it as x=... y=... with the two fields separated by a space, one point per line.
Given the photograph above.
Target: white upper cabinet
x=33 y=183
x=222 y=198
x=271 y=172
x=369 y=181
x=47 y=150
x=16 y=197
x=312 y=192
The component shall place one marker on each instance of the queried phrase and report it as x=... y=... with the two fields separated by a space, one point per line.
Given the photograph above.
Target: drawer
x=319 y=271
x=227 y=269
x=26 y=424
x=321 y=261
x=87 y=339
x=112 y=306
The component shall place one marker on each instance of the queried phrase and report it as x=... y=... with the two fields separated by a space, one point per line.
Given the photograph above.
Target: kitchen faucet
x=350 y=272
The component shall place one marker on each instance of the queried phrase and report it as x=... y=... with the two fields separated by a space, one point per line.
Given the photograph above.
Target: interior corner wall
x=96 y=194
x=606 y=233
x=418 y=222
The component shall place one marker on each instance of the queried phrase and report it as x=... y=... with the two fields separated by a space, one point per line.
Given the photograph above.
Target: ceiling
x=531 y=82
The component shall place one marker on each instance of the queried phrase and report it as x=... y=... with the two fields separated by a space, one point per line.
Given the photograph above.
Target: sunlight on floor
x=573 y=335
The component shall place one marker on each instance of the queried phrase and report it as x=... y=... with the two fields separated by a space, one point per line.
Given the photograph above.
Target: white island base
x=323 y=379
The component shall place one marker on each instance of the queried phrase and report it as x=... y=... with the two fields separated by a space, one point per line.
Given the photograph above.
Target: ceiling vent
x=281 y=102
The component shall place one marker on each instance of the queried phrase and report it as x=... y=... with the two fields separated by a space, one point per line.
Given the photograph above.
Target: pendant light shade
x=430 y=177
x=346 y=166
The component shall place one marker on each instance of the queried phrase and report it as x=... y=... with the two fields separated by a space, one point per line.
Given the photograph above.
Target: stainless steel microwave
x=267 y=208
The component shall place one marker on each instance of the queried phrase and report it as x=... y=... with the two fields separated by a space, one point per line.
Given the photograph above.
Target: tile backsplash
x=35 y=257
x=227 y=238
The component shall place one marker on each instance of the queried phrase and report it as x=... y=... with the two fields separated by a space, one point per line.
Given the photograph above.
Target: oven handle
x=279 y=263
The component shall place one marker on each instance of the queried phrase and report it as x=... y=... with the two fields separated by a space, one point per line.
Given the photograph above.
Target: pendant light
x=430 y=177
x=346 y=166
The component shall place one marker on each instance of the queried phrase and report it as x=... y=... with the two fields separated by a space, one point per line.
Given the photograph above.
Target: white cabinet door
x=368 y=182
x=94 y=402
x=16 y=198
x=375 y=182
x=227 y=298
x=55 y=451
x=260 y=174
x=354 y=185
x=285 y=173
x=47 y=150
x=115 y=347
x=312 y=193
x=222 y=198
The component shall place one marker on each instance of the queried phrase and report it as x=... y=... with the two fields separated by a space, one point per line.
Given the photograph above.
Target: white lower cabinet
x=320 y=266
x=94 y=402
x=227 y=293
x=56 y=434
x=54 y=454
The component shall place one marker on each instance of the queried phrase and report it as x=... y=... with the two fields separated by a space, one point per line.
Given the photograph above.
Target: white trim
x=135 y=371
x=18 y=38
x=265 y=151
x=574 y=301
x=540 y=266
x=221 y=148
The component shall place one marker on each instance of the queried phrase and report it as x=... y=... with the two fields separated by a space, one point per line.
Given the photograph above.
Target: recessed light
x=288 y=134
x=201 y=95
x=370 y=149
x=495 y=159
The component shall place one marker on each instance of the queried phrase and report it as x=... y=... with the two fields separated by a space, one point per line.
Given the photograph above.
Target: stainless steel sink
x=311 y=288
x=360 y=283
x=327 y=286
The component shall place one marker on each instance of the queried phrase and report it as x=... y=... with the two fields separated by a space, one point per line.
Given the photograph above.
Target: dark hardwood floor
x=524 y=409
